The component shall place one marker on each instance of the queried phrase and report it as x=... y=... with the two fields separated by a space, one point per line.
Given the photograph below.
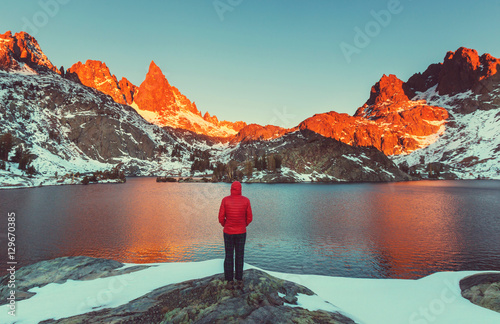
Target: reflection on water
x=395 y=230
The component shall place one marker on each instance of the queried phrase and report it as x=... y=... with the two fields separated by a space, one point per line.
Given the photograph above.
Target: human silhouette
x=235 y=214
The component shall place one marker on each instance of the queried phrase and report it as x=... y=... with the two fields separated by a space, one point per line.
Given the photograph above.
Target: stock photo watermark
x=104 y=296
x=48 y=10
x=283 y=118
x=11 y=262
x=364 y=35
x=430 y=313
x=224 y=6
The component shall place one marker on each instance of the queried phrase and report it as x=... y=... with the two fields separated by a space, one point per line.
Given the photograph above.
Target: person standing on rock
x=235 y=214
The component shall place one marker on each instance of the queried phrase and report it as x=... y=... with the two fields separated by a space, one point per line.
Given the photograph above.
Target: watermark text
x=11 y=262
x=363 y=36
x=224 y=6
x=48 y=9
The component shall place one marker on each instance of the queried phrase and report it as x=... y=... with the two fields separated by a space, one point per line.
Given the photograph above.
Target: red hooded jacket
x=235 y=212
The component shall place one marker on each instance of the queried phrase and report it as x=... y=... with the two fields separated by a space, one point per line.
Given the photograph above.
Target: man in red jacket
x=235 y=214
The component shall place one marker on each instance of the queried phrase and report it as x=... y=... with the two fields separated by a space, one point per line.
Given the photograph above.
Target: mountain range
x=440 y=123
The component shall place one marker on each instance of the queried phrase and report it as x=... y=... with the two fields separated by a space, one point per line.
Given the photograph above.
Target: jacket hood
x=236 y=188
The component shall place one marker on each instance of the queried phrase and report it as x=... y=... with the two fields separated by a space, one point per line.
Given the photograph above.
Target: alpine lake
x=364 y=230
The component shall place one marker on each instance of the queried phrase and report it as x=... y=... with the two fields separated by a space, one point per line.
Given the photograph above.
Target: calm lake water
x=383 y=230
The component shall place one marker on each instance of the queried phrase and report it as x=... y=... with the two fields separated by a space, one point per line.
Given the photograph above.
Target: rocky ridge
x=154 y=99
x=308 y=156
x=461 y=71
x=95 y=122
x=70 y=128
x=399 y=119
x=96 y=74
x=388 y=121
x=21 y=52
x=468 y=87
x=440 y=122
x=255 y=132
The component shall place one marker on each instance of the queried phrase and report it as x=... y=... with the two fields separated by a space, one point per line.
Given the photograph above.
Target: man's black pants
x=232 y=243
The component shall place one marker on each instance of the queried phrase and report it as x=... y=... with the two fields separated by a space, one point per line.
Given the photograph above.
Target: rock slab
x=483 y=290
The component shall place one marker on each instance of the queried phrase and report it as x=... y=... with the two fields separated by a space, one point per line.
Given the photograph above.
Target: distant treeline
x=172 y=179
x=21 y=156
x=113 y=174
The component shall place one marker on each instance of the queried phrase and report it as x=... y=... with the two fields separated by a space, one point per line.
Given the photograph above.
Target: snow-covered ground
x=313 y=176
x=432 y=299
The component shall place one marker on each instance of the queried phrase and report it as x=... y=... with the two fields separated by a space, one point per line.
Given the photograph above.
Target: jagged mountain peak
x=388 y=88
x=156 y=77
x=21 y=52
x=155 y=93
x=96 y=74
x=460 y=71
x=386 y=96
x=389 y=121
x=407 y=119
x=163 y=104
x=21 y=49
x=154 y=69
x=155 y=99
x=469 y=55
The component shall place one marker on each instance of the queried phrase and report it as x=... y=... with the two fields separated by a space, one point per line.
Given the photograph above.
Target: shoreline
x=196 y=180
x=364 y=300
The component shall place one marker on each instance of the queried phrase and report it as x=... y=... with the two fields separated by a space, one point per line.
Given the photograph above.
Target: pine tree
x=430 y=171
x=257 y=163
x=18 y=154
x=24 y=161
x=230 y=170
x=248 y=169
x=6 y=144
x=271 y=163
x=30 y=170
x=264 y=162
x=404 y=167
x=277 y=161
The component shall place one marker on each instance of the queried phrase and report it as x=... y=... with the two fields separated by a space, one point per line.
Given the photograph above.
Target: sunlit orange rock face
x=237 y=126
x=22 y=48
x=155 y=95
x=174 y=109
x=389 y=121
x=128 y=90
x=95 y=74
x=255 y=132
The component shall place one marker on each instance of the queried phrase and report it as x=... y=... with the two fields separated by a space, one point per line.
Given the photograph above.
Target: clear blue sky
x=265 y=61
